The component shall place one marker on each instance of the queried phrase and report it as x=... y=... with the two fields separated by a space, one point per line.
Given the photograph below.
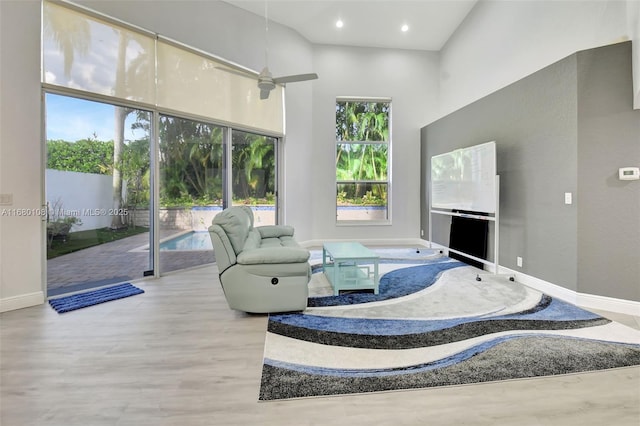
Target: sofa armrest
x=273 y=255
x=275 y=231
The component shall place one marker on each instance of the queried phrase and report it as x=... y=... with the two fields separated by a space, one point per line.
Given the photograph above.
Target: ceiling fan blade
x=264 y=94
x=294 y=78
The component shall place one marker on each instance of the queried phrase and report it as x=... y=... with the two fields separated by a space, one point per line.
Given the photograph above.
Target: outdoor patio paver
x=117 y=261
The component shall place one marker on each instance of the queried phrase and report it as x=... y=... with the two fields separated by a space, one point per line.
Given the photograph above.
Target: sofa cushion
x=271 y=231
x=236 y=222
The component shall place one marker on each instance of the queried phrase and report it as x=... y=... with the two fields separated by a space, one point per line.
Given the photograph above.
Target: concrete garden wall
x=84 y=195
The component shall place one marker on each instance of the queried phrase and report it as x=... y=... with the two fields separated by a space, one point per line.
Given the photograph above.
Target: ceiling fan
x=266 y=81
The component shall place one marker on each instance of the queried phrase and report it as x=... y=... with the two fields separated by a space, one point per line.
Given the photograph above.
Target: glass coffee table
x=347 y=266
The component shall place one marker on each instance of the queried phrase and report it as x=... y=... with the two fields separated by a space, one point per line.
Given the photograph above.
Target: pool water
x=189 y=241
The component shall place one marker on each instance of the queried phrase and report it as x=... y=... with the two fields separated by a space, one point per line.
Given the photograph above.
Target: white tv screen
x=465 y=179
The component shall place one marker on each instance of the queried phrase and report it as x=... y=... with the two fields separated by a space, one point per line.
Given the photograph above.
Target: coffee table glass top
x=349 y=250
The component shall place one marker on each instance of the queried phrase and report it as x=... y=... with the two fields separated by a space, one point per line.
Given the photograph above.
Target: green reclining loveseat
x=262 y=269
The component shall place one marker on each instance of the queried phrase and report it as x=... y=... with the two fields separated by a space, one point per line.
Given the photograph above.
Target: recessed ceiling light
x=405 y=28
x=339 y=23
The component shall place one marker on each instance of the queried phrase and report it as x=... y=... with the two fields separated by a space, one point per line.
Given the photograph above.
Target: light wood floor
x=178 y=356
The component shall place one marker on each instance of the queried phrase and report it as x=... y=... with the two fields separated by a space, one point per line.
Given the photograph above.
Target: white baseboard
x=22 y=301
x=592 y=301
x=542 y=285
x=587 y=301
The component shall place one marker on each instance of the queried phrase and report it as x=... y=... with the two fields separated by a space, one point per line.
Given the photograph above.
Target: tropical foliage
x=136 y=172
x=94 y=156
x=191 y=155
x=86 y=156
x=192 y=167
x=253 y=167
x=362 y=136
x=362 y=121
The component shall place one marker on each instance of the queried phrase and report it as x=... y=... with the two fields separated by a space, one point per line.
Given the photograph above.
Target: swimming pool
x=194 y=240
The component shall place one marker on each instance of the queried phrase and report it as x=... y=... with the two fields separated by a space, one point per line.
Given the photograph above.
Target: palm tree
x=125 y=78
x=252 y=154
x=204 y=155
x=191 y=160
x=70 y=32
x=362 y=122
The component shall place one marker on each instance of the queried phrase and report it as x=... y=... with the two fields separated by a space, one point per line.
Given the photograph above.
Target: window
x=363 y=136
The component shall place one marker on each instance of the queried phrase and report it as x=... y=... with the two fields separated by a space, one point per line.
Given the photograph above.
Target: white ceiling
x=367 y=23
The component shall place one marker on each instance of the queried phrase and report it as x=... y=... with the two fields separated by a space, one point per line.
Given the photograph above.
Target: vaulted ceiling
x=367 y=23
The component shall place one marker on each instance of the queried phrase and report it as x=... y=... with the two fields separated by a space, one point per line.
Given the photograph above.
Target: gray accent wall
x=608 y=208
x=564 y=129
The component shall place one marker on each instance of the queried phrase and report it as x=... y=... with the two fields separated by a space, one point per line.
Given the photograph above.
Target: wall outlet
x=422 y=232
x=568 y=199
x=519 y=261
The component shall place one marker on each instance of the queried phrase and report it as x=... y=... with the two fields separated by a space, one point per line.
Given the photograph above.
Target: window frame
x=387 y=181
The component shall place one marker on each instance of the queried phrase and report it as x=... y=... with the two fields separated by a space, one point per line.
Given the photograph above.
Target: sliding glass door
x=98 y=197
x=192 y=178
x=99 y=190
x=200 y=176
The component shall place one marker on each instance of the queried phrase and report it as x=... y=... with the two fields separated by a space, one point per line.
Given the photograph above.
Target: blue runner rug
x=78 y=301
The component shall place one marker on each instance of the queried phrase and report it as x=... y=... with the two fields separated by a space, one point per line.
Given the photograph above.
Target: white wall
x=409 y=79
x=88 y=196
x=501 y=42
x=633 y=23
x=21 y=238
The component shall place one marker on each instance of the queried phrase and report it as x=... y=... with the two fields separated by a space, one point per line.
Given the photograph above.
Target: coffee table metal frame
x=348 y=266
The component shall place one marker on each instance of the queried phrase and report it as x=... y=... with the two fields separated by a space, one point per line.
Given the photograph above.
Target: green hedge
x=85 y=156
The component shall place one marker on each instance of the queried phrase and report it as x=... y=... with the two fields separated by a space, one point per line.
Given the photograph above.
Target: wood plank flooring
x=178 y=356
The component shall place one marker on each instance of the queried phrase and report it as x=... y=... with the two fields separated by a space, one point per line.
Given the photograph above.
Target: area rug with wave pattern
x=433 y=324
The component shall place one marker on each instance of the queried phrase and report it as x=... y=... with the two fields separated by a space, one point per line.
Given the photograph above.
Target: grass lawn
x=85 y=239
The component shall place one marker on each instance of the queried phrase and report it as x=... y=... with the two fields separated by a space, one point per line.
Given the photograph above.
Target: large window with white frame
x=363 y=140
